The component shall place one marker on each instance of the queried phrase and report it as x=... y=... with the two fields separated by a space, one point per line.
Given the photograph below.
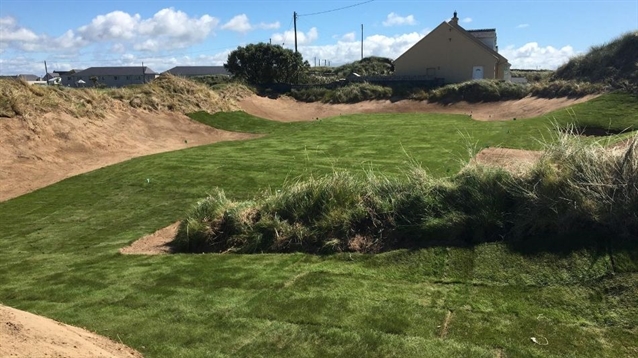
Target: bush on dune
x=478 y=91
x=576 y=185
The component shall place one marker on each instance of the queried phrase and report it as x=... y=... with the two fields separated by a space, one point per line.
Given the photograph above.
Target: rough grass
x=478 y=91
x=471 y=91
x=58 y=255
x=613 y=63
x=165 y=93
x=576 y=186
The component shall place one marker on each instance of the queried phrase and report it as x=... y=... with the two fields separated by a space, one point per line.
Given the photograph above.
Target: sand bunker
x=287 y=109
x=23 y=334
x=57 y=146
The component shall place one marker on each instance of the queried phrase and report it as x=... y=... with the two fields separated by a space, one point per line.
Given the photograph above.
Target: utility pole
x=143 y=73
x=362 y=41
x=46 y=72
x=294 y=16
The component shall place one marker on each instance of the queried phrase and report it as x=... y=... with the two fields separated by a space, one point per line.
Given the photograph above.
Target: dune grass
x=576 y=186
x=58 y=255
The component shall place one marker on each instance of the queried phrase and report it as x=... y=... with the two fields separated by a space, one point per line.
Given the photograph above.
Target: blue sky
x=162 y=34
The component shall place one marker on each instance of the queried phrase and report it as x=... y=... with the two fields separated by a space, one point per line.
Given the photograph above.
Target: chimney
x=455 y=19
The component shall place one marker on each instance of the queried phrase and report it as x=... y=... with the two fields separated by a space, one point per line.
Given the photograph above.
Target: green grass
x=58 y=255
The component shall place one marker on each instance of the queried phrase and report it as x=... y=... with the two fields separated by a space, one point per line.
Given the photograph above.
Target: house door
x=477 y=73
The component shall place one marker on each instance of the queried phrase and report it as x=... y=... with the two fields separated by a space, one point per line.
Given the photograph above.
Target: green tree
x=264 y=63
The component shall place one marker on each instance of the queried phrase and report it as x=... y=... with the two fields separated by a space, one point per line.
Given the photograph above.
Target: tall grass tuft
x=478 y=91
x=576 y=185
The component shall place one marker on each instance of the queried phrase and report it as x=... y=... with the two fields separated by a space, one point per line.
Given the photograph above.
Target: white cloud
x=466 y=20
x=522 y=26
x=116 y=25
x=532 y=56
x=241 y=24
x=374 y=45
x=394 y=19
x=175 y=29
x=12 y=35
x=349 y=37
x=288 y=37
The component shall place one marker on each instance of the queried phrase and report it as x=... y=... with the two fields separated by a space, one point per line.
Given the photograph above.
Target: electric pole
x=294 y=16
x=362 y=41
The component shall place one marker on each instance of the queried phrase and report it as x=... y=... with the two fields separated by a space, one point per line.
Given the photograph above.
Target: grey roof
x=71 y=71
x=29 y=77
x=481 y=30
x=198 y=71
x=51 y=75
x=116 y=71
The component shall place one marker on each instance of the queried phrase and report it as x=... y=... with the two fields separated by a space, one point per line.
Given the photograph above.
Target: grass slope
x=58 y=255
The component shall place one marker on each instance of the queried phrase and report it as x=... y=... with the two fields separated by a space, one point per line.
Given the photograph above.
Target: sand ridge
x=287 y=109
x=57 y=146
x=23 y=334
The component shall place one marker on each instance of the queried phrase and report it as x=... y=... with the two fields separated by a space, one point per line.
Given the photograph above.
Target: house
x=29 y=78
x=112 y=76
x=52 y=78
x=454 y=54
x=197 y=71
x=65 y=77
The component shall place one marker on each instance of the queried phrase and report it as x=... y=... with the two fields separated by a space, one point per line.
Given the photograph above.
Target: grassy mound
x=368 y=66
x=613 y=63
x=478 y=91
x=352 y=93
x=167 y=92
x=577 y=186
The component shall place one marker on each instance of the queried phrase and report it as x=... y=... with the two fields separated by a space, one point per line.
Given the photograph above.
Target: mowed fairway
x=59 y=255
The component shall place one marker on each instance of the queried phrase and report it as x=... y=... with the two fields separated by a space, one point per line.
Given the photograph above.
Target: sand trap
x=23 y=334
x=37 y=153
x=287 y=109
x=512 y=160
x=153 y=244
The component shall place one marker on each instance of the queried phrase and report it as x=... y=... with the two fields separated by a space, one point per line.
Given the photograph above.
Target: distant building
x=198 y=71
x=111 y=76
x=455 y=55
x=28 y=78
x=65 y=77
x=52 y=78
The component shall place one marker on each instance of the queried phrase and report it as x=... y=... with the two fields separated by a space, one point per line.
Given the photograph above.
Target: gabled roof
x=478 y=42
x=466 y=34
x=51 y=75
x=198 y=71
x=116 y=71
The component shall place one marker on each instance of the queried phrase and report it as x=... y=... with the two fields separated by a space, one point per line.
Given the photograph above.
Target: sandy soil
x=287 y=109
x=35 y=154
x=512 y=160
x=23 y=334
x=153 y=244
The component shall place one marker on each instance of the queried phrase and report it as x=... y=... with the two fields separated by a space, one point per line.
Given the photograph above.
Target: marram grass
x=576 y=185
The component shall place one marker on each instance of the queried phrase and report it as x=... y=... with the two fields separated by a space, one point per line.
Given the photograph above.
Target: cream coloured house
x=454 y=54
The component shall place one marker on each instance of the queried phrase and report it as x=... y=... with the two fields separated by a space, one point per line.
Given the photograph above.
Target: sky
x=77 y=34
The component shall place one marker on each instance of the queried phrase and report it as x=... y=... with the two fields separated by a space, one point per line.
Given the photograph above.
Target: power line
x=333 y=10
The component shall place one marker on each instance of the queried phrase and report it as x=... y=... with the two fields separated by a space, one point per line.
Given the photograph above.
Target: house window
x=102 y=78
x=128 y=77
x=115 y=78
x=68 y=78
